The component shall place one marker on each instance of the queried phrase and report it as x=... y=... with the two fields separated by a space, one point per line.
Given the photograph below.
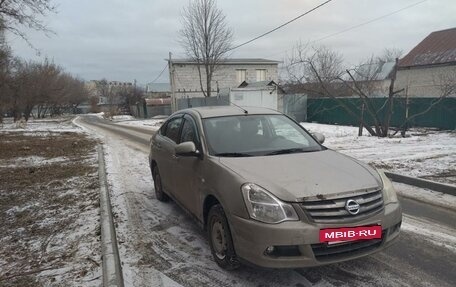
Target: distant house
x=230 y=73
x=424 y=71
x=158 y=90
x=375 y=78
x=108 y=94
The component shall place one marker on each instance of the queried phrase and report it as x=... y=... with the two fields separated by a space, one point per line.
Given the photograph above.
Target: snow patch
x=430 y=231
x=426 y=195
x=424 y=153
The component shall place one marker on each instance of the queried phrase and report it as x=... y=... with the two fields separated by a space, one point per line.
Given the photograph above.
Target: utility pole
x=171 y=81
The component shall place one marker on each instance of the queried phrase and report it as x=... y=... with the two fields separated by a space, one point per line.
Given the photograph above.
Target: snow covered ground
x=426 y=195
x=425 y=153
x=150 y=124
x=35 y=126
x=49 y=205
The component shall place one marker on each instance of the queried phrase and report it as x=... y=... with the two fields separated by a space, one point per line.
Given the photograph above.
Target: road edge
x=112 y=270
x=423 y=183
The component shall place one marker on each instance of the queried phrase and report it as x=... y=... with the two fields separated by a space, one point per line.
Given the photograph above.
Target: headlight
x=265 y=207
x=389 y=193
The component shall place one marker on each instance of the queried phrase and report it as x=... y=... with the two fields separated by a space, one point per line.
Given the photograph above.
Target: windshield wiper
x=233 y=154
x=285 y=151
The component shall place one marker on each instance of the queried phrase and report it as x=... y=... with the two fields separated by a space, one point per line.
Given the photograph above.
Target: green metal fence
x=442 y=115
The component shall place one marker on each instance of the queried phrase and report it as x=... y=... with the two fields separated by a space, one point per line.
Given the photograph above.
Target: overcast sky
x=129 y=39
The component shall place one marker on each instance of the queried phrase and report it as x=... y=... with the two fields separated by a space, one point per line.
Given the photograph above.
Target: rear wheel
x=159 y=194
x=220 y=240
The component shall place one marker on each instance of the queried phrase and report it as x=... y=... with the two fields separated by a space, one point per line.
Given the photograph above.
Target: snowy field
x=40 y=126
x=49 y=205
x=425 y=153
x=152 y=124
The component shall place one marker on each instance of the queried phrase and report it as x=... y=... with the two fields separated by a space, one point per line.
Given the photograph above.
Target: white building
x=430 y=67
x=230 y=73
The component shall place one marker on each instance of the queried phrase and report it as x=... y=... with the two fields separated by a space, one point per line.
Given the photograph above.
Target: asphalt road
x=424 y=255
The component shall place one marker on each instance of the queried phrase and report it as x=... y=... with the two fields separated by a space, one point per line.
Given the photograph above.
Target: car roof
x=223 y=111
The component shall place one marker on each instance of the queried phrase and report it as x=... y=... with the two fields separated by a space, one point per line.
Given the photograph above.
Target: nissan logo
x=352 y=207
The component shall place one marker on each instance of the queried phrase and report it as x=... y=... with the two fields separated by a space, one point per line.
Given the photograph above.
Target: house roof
x=260 y=85
x=437 y=48
x=378 y=71
x=158 y=87
x=232 y=61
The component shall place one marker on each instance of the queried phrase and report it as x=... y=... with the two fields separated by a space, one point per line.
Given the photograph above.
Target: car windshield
x=256 y=135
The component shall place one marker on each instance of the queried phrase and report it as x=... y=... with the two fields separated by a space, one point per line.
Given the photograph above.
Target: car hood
x=294 y=177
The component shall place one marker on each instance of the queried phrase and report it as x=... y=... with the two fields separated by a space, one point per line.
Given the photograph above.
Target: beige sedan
x=268 y=192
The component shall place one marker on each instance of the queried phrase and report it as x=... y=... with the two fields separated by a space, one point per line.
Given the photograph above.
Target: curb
x=423 y=183
x=112 y=270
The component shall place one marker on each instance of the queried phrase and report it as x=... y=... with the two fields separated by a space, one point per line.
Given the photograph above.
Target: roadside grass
x=49 y=209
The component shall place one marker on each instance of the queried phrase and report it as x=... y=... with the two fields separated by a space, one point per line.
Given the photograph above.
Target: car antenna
x=245 y=111
x=231 y=103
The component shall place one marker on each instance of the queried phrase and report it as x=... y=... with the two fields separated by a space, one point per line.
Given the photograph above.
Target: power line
x=368 y=22
x=159 y=75
x=358 y=25
x=277 y=28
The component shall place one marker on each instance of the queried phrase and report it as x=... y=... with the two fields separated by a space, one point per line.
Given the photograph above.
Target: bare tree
x=25 y=13
x=206 y=38
x=390 y=55
x=319 y=71
x=130 y=95
x=102 y=88
x=104 y=91
x=42 y=87
x=6 y=61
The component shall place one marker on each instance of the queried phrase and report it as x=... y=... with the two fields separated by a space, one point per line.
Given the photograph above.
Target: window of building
x=261 y=75
x=240 y=76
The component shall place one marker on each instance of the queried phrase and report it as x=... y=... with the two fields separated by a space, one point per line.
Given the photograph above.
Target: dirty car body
x=268 y=193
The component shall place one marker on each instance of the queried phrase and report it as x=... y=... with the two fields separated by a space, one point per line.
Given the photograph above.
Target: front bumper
x=300 y=244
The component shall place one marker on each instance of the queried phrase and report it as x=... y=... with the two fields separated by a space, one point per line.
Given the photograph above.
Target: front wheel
x=220 y=240
x=159 y=194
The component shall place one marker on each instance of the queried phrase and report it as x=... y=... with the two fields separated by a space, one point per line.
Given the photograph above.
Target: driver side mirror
x=187 y=149
x=319 y=137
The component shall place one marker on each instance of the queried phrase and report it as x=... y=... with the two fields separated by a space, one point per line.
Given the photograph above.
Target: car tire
x=159 y=193
x=220 y=240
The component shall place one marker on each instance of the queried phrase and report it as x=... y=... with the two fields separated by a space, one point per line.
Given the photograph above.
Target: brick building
x=429 y=66
x=230 y=73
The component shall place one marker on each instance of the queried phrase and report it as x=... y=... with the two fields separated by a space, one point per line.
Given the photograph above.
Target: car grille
x=332 y=210
x=326 y=252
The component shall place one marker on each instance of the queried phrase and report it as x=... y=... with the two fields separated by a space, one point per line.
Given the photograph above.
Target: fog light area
x=282 y=251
